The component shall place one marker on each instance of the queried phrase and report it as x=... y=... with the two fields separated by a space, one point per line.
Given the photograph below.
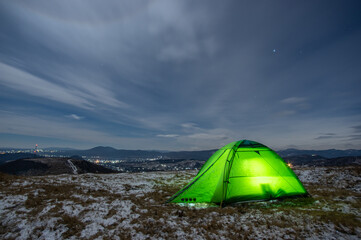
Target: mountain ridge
x=110 y=152
x=203 y=154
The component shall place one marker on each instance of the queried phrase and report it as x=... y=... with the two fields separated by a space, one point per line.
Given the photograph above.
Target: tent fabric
x=241 y=171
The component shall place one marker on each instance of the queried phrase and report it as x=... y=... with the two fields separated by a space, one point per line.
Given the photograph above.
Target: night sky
x=180 y=75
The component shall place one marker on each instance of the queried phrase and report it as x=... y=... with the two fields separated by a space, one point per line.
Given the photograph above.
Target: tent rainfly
x=241 y=171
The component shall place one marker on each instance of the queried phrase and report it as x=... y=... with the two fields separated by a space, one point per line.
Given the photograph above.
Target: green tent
x=241 y=171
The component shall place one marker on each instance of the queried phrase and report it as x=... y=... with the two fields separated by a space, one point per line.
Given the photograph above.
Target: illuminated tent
x=241 y=171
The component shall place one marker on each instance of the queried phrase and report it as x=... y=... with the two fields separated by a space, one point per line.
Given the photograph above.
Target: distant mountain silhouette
x=110 y=152
x=51 y=166
x=199 y=155
x=136 y=155
x=76 y=165
x=330 y=153
x=15 y=156
x=58 y=148
x=315 y=160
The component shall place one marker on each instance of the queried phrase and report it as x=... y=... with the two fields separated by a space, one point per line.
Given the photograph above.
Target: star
x=274 y=50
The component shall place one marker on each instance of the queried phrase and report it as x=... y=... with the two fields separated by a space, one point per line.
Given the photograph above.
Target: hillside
x=44 y=166
x=6 y=157
x=131 y=206
x=51 y=166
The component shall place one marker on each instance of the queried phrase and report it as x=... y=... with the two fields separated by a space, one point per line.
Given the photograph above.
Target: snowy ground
x=131 y=206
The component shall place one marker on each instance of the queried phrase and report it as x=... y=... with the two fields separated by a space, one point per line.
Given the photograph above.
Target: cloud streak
x=293 y=100
x=183 y=74
x=27 y=83
x=74 y=116
x=168 y=135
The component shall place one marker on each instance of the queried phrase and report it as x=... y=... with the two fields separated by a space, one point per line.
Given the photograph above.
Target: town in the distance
x=121 y=160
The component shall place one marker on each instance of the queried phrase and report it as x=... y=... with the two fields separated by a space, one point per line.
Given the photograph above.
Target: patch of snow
x=108 y=205
x=75 y=170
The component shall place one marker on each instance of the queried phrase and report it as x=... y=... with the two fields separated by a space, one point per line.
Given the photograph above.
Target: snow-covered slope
x=131 y=206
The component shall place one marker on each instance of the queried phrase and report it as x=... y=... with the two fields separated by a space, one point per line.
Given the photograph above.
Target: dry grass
x=307 y=210
x=6 y=178
x=152 y=218
x=74 y=225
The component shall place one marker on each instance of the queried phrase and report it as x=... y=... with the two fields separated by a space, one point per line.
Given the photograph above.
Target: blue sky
x=180 y=75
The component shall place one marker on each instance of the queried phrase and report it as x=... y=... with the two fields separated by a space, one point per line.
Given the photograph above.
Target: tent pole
x=227 y=171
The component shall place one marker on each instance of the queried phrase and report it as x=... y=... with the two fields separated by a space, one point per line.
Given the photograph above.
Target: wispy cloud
x=208 y=136
x=327 y=137
x=168 y=135
x=172 y=74
x=350 y=137
x=190 y=126
x=293 y=106
x=85 y=134
x=293 y=100
x=86 y=96
x=286 y=113
x=357 y=128
x=355 y=137
x=27 y=83
x=74 y=116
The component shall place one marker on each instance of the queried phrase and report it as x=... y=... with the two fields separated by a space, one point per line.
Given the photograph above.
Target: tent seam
x=224 y=193
x=171 y=199
x=278 y=172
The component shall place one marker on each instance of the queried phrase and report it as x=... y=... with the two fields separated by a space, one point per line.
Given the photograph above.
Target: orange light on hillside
x=290 y=165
